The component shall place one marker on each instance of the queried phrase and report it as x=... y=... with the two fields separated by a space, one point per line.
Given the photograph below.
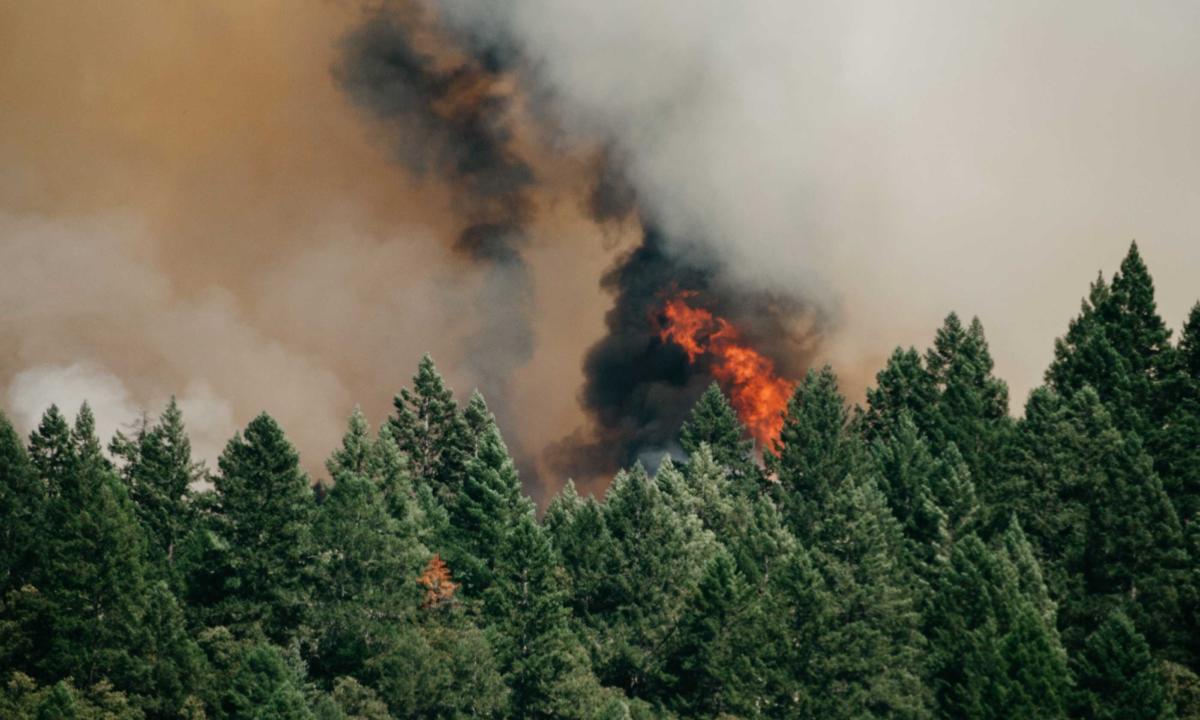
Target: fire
x=758 y=394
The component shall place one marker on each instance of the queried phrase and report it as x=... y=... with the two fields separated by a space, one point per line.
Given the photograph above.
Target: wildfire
x=758 y=394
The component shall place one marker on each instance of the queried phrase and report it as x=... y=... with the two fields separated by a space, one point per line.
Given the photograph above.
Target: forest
x=928 y=554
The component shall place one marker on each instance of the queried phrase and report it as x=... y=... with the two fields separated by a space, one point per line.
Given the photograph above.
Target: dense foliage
x=928 y=555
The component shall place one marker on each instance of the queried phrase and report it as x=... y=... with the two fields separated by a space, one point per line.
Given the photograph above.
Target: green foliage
x=925 y=557
x=366 y=557
x=1116 y=677
x=995 y=650
x=714 y=423
x=815 y=452
x=159 y=471
x=431 y=433
x=262 y=514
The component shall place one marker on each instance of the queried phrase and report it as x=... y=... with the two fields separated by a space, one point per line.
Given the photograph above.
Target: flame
x=758 y=394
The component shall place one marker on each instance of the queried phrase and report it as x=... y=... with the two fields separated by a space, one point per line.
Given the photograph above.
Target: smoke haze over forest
x=227 y=202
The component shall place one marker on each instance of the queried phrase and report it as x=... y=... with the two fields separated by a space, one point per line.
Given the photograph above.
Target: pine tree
x=903 y=387
x=815 y=451
x=580 y=537
x=972 y=405
x=656 y=557
x=1100 y=517
x=1120 y=347
x=717 y=655
x=90 y=577
x=432 y=434
x=21 y=500
x=441 y=665
x=486 y=507
x=545 y=667
x=89 y=611
x=1116 y=677
x=995 y=652
x=365 y=557
x=1176 y=449
x=159 y=472
x=713 y=422
x=263 y=512
x=871 y=645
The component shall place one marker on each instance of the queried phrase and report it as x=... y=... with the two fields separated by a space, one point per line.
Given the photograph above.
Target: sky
x=191 y=204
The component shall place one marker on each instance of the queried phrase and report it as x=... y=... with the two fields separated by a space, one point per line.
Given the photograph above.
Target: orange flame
x=758 y=394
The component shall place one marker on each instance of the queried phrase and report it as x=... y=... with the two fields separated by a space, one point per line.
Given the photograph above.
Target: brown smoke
x=191 y=205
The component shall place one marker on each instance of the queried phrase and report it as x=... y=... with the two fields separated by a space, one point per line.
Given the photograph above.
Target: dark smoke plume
x=453 y=119
x=639 y=388
x=449 y=95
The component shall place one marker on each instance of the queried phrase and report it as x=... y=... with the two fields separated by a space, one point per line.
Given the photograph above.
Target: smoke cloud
x=271 y=206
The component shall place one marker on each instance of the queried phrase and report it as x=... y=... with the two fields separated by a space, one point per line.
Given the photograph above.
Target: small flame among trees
x=438 y=583
x=758 y=393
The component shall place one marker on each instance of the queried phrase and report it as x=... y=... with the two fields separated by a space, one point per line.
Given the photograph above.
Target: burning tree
x=758 y=393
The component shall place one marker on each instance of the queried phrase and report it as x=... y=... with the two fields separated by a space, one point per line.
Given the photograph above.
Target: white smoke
x=895 y=161
x=209 y=418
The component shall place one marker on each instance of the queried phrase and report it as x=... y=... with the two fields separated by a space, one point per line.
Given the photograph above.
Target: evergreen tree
x=21 y=499
x=972 y=405
x=431 y=432
x=718 y=658
x=366 y=558
x=1116 y=677
x=815 y=451
x=89 y=612
x=714 y=422
x=581 y=540
x=1120 y=347
x=656 y=555
x=1176 y=449
x=252 y=679
x=995 y=652
x=263 y=512
x=903 y=387
x=488 y=504
x=159 y=471
x=1100 y=517
x=546 y=669
x=871 y=644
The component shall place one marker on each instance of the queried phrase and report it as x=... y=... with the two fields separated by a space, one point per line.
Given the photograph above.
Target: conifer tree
x=718 y=657
x=489 y=503
x=546 y=669
x=1100 y=517
x=580 y=537
x=1120 y=347
x=1176 y=449
x=159 y=471
x=21 y=499
x=872 y=644
x=89 y=612
x=995 y=652
x=902 y=387
x=1116 y=677
x=713 y=422
x=90 y=576
x=431 y=432
x=263 y=512
x=656 y=555
x=441 y=665
x=815 y=451
x=366 y=558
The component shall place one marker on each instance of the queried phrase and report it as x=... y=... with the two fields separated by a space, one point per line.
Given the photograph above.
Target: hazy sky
x=190 y=204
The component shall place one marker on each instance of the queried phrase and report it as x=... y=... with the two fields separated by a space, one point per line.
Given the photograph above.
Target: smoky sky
x=193 y=200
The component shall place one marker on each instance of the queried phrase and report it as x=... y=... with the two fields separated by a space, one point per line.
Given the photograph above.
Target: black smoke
x=444 y=98
x=444 y=91
x=638 y=388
